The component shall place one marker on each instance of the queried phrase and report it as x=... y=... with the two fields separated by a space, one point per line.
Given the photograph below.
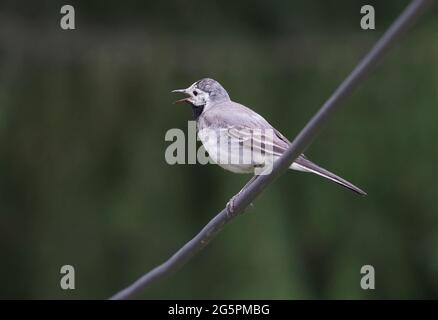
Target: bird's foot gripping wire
x=230 y=206
x=231 y=209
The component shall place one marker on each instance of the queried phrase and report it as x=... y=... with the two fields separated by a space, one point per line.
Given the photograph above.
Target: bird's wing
x=242 y=123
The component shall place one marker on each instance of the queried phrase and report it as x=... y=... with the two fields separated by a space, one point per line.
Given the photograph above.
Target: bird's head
x=203 y=93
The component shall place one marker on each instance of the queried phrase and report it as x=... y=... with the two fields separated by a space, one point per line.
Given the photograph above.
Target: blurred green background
x=83 y=179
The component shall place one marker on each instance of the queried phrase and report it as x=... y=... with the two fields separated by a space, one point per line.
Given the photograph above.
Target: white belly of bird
x=231 y=155
x=236 y=157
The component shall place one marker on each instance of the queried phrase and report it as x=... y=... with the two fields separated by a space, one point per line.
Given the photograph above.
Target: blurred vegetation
x=83 y=180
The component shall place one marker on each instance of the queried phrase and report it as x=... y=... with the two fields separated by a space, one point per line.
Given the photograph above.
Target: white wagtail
x=234 y=124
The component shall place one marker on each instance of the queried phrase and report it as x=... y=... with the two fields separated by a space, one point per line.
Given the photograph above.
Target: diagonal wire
x=298 y=146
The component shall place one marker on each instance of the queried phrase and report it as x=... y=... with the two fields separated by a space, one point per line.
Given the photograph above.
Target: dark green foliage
x=83 y=179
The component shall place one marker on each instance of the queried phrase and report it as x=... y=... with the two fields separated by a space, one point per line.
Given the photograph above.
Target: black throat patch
x=197 y=111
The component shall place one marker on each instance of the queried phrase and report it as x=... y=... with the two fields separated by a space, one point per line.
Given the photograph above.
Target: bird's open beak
x=184 y=91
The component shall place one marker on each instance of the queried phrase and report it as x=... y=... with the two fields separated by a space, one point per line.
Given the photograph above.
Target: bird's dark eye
x=195 y=93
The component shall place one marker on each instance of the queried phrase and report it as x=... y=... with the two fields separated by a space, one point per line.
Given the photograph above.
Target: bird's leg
x=230 y=205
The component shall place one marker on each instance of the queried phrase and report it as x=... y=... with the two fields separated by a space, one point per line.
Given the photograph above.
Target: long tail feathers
x=303 y=164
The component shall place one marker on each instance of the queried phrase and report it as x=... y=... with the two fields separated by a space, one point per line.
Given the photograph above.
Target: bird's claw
x=230 y=207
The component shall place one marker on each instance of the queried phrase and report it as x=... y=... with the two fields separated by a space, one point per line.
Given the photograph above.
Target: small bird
x=218 y=118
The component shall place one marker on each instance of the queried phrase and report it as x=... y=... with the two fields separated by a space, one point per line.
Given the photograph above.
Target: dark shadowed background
x=83 y=179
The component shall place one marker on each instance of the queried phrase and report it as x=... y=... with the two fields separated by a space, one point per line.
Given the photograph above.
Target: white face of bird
x=204 y=92
x=195 y=96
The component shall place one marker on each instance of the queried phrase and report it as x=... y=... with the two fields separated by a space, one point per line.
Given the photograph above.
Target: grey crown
x=216 y=92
